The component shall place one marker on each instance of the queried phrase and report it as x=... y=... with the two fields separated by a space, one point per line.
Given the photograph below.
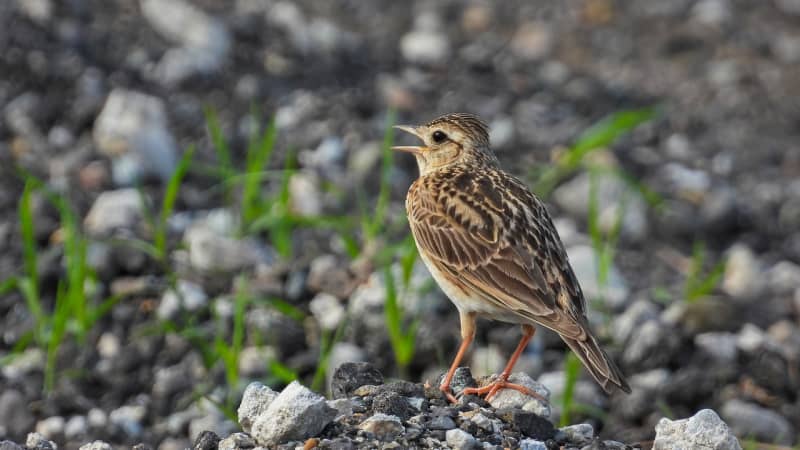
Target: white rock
x=189 y=296
x=295 y=414
x=584 y=263
x=511 y=398
x=460 y=440
x=203 y=42
x=37 y=441
x=532 y=444
x=255 y=401
x=210 y=251
x=129 y=418
x=634 y=316
x=253 y=360
x=236 y=441
x=40 y=11
x=720 y=345
x=304 y=194
x=581 y=434
x=329 y=153
x=703 y=430
x=425 y=46
x=383 y=426
x=32 y=359
x=134 y=125
x=96 y=445
x=343 y=407
x=108 y=345
x=748 y=419
x=678 y=146
x=502 y=131
x=97 y=418
x=76 y=427
x=649 y=344
x=784 y=277
x=751 y=338
x=51 y=427
x=684 y=180
x=482 y=422
x=327 y=309
x=112 y=210
x=742 y=278
x=651 y=380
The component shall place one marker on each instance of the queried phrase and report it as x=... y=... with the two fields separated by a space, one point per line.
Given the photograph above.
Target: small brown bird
x=492 y=247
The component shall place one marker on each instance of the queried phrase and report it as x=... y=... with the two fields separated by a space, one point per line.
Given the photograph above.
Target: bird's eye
x=439 y=136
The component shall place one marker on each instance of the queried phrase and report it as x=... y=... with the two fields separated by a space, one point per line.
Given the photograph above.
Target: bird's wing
x=498 y=242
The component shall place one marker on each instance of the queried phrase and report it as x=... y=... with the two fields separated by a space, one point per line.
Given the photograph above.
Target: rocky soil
x=101 y=97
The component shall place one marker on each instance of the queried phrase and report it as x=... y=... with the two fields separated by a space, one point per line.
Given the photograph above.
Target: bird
x=491 y=246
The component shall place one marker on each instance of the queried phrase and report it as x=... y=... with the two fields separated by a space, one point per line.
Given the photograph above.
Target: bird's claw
x=449 y=394
x=490 y=390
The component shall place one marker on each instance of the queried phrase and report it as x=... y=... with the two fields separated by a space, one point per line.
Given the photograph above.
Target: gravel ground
x=98 y=97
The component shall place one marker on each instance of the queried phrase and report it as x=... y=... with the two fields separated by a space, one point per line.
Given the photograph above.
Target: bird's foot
x=491 y=389
x=448 y=393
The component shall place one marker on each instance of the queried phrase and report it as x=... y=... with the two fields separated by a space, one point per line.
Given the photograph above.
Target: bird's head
x=451 y=139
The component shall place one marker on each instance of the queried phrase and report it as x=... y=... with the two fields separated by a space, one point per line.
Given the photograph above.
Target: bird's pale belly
x=468 y=302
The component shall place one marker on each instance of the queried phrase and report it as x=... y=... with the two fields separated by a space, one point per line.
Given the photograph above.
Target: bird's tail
x=599 y=364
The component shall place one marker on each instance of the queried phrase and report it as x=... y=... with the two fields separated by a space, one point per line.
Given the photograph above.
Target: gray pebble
x=255 y=401
x=114 y=210
x=461 y=440
x=748 y=419
x=719 y=345
x=76 y=427
x=237 y=441
x=705 y=429
x=96 y=445
x=532 y=444
x=132 y=129
x=36 y=441
x=441 y=423
x=51 y=427
x=579 y=434
x=15 y=417
x=8 y=445
x=383 y=426
x=296 y=413
x=512 y=398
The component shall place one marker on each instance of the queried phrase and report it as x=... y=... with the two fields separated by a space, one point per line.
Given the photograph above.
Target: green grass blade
x=378 y=218
x=219 y=142
x=258 y=154
x=601 y=134
x=281 y=233
x=168 y=204
x=29 y=251
x=281 y=371
x=572 y=368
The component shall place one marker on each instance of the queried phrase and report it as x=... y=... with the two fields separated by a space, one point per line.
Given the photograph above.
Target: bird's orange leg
x=467 y=335
x=502 y=383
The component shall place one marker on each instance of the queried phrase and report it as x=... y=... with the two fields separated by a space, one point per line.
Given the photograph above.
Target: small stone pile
x=367 y=413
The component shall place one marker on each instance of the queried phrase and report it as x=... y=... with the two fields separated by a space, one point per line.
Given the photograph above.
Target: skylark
x=491 y=246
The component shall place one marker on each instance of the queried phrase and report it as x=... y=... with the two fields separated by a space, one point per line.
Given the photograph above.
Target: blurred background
x=197 y=194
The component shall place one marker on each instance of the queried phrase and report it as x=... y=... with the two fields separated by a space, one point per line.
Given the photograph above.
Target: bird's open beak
x=417 y=150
